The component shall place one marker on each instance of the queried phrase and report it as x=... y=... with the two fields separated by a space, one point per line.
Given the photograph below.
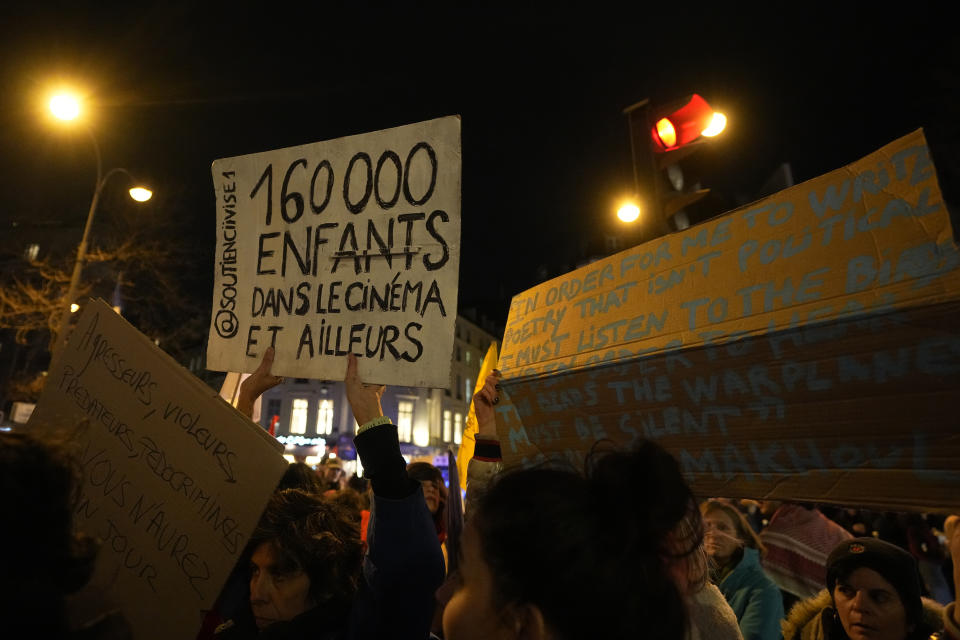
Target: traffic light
x=660 y=138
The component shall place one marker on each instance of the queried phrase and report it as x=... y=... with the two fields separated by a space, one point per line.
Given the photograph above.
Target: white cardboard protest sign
x=347 y=245
x=173 y=478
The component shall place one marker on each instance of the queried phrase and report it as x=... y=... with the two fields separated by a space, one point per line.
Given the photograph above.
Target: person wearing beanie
x=873 y=593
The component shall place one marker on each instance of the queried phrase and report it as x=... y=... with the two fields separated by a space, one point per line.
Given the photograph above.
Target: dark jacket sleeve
x=404 y=565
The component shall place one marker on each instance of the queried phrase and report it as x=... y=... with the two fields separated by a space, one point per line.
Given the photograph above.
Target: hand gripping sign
x=348 y=245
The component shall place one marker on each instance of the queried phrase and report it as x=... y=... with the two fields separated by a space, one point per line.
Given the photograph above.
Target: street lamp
x=718 y=122
x=67 y=107
x=141 y=194
x=628 y=212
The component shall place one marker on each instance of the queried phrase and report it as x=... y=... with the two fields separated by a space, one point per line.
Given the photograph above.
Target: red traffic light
x=682 y=125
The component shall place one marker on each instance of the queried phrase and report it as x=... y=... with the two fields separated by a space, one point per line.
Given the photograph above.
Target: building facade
x=313 y=418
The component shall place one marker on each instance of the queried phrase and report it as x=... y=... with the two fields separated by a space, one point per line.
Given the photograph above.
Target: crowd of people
x=618 y=549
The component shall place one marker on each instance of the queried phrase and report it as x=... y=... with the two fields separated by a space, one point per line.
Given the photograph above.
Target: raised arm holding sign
x=307 y=577
x=259 y=381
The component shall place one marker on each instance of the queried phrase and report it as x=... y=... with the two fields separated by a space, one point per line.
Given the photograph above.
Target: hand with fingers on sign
x=256 y=383
x=364 y=398
x=484 y=401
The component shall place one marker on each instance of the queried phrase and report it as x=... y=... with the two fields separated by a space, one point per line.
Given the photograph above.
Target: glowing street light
x=629 y=212
x=717 y=124
x=141 y=194
x=65 y=106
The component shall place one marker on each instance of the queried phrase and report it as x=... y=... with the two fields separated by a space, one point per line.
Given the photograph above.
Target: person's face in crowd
x=276 y=593
x=332 y=474
x=870 y=607
x=431 y=493
x=720 y=536
x=471 y=612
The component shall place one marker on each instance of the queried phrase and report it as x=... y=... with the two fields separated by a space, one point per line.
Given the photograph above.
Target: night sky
x=546 y=155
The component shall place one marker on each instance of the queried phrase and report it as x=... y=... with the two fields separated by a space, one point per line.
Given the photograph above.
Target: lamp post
x=65 y=107
x=628 y=212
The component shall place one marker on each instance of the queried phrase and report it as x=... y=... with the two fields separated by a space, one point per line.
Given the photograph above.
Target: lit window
x=31 y=252
x=469 y=388
x=298 y=417
x=404 y=420
x=447 y=424
x=457 y=428
x=466 y=357
x=325 y=417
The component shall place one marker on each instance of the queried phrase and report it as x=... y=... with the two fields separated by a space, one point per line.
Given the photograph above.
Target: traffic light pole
x=659 y=139
x=645 y=170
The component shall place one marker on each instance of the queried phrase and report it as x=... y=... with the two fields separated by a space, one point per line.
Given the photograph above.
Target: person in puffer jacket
x=873 y=592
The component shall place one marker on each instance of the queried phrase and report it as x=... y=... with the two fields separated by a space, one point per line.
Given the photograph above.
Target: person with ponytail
x=553 y=553
x=46 y=562
x=550 y=553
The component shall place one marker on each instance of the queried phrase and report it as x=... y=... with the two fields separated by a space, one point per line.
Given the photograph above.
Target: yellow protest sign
x=801 y=346
x=469 y=440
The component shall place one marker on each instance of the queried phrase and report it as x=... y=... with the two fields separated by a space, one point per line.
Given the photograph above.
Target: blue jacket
x=754 y=598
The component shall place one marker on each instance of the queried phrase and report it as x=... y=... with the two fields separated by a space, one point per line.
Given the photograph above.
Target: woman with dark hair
x=44 y=560
x=300 y=475
x=434 y=492
x=576 y=525
x=873 y=593
x=309 y=576
x=554 y=554
x=303 y=535
x=735 y=550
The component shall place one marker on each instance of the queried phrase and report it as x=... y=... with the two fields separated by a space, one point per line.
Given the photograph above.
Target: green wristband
x=373 y=423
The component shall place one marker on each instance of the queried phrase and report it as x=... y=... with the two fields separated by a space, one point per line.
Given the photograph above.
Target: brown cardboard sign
x=804 y=346
x=173 y=479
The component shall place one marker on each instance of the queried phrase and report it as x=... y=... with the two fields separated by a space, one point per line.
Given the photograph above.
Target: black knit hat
x=893 y=563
